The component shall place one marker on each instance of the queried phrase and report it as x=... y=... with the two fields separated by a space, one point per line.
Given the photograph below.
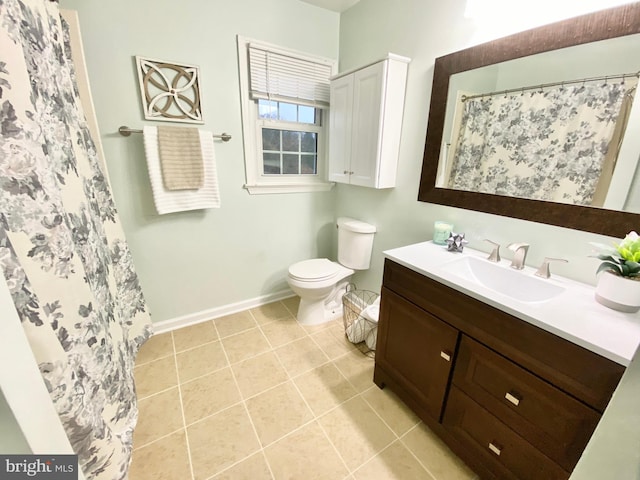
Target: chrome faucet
x=520 y=255
x=543 y=271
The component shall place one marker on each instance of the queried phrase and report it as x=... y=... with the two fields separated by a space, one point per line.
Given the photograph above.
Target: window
x=285 y=100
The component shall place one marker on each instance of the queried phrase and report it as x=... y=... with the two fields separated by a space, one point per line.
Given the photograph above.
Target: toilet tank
x=355 y=242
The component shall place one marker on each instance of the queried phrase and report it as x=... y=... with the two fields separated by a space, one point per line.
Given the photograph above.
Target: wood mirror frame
x=602 y=25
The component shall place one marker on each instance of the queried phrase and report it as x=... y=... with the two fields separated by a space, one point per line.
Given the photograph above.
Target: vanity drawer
x=554 y=422
x=484 y=435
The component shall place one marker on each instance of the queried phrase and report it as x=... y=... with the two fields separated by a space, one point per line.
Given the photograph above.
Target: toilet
x=321 y=283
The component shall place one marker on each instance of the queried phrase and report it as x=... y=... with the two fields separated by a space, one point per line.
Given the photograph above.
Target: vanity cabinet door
x=417 y=349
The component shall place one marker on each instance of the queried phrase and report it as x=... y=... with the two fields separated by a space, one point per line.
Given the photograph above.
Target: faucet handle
x=543 y=271
x=494 y=256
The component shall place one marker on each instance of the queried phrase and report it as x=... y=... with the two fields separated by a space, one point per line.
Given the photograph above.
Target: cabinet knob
x=346 y=172
x=495 y=449
x=513 y=398
x=446 y=356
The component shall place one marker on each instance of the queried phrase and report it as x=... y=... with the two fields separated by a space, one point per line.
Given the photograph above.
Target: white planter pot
x=618 y=293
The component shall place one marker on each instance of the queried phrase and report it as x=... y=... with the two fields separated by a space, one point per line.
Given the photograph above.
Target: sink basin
x=502 y=279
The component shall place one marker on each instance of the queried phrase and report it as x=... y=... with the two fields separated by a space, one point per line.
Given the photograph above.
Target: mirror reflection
x=548 y=127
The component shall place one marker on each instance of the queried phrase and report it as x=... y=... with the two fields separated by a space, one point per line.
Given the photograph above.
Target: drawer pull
x=495 y=449
x=446 y=356
x=512 y=398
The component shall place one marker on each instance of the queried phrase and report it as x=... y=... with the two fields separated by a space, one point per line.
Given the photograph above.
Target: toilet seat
x=314 y=270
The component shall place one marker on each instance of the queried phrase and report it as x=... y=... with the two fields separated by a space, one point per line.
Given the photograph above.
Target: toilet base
x=316 y=312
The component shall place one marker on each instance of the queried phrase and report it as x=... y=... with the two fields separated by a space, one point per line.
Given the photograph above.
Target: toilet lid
x=315 y=269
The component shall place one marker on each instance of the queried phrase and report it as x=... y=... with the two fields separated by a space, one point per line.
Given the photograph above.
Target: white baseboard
x=205 y=315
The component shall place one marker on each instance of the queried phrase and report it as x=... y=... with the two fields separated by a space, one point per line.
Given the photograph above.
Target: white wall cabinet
x=365 y=123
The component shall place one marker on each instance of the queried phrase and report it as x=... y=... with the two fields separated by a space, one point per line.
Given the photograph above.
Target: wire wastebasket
x=360 y=315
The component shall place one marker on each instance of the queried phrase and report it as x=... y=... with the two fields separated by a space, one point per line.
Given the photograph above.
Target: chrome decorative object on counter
x=456 y=242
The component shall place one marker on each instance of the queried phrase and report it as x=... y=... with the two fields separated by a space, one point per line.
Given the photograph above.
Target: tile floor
x=255 y=395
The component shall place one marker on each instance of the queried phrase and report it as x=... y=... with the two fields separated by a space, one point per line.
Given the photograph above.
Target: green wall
x=424 y=30
x=197 y=261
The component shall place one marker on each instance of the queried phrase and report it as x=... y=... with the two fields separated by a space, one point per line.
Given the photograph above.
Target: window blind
x=285 y=77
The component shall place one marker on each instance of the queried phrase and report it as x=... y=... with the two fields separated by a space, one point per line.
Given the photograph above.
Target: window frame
x=256 y=181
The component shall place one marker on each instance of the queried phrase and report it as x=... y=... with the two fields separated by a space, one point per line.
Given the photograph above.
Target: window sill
x=289 y=188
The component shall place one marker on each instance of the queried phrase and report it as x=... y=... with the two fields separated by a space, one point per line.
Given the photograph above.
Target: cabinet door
x=340 y=129
x=417 y=349
x=367 y=129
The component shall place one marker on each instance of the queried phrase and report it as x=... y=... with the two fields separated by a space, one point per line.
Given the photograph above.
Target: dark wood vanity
x=511 y=399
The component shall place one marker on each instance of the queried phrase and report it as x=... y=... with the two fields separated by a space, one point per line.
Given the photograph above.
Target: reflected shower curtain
x=545 y=145
x=62 y=248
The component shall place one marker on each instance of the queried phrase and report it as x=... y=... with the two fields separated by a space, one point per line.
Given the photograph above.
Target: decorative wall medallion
x=169 y=91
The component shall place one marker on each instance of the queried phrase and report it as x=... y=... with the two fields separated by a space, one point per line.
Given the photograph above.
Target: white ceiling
x=335 y=5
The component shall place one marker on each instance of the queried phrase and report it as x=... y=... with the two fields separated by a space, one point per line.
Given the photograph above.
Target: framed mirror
x=602 y=26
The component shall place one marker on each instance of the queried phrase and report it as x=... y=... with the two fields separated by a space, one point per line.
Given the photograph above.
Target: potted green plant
x=618 y=284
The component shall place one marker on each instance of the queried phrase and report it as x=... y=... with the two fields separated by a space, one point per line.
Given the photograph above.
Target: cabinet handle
x=495 y=449
x=512 y=398
x=351 y=173
x=446 y=356
x=346 y=172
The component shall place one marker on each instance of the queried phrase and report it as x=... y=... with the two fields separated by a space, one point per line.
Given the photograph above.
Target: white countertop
x=573 y=315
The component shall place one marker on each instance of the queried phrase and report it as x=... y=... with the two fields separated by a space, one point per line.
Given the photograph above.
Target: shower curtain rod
x=126 y=132
x=464 y=98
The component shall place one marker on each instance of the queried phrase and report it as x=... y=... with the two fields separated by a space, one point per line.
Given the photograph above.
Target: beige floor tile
x=209 y=394
x=194 y=336
x=337 y=329
x=259 y=374
x=305 y=454
x=156 y=347
x=245 y=345
x=270 y=312
x=330 y=345
x=282 y=331
x=278 y=412
x=153 y=377
x=435 y=455
x=324 y=388
x=300 y=356
x=221 y=440
x=392 y=410
x=356 y=431
x=394 y=463
x=235 y=323
x=159 y=415
x=253 y=468
x=358 y=368
x=166 y=459
x=311 y=329
x=292 y=304
x=200 y=361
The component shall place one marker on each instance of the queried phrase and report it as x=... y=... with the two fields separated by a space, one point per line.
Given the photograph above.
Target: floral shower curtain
x=62 y=248
x=545 y=145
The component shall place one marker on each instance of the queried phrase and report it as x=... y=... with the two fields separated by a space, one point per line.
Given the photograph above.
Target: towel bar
x=126 y=131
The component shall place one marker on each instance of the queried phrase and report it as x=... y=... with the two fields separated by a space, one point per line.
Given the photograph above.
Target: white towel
x=169 y=201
